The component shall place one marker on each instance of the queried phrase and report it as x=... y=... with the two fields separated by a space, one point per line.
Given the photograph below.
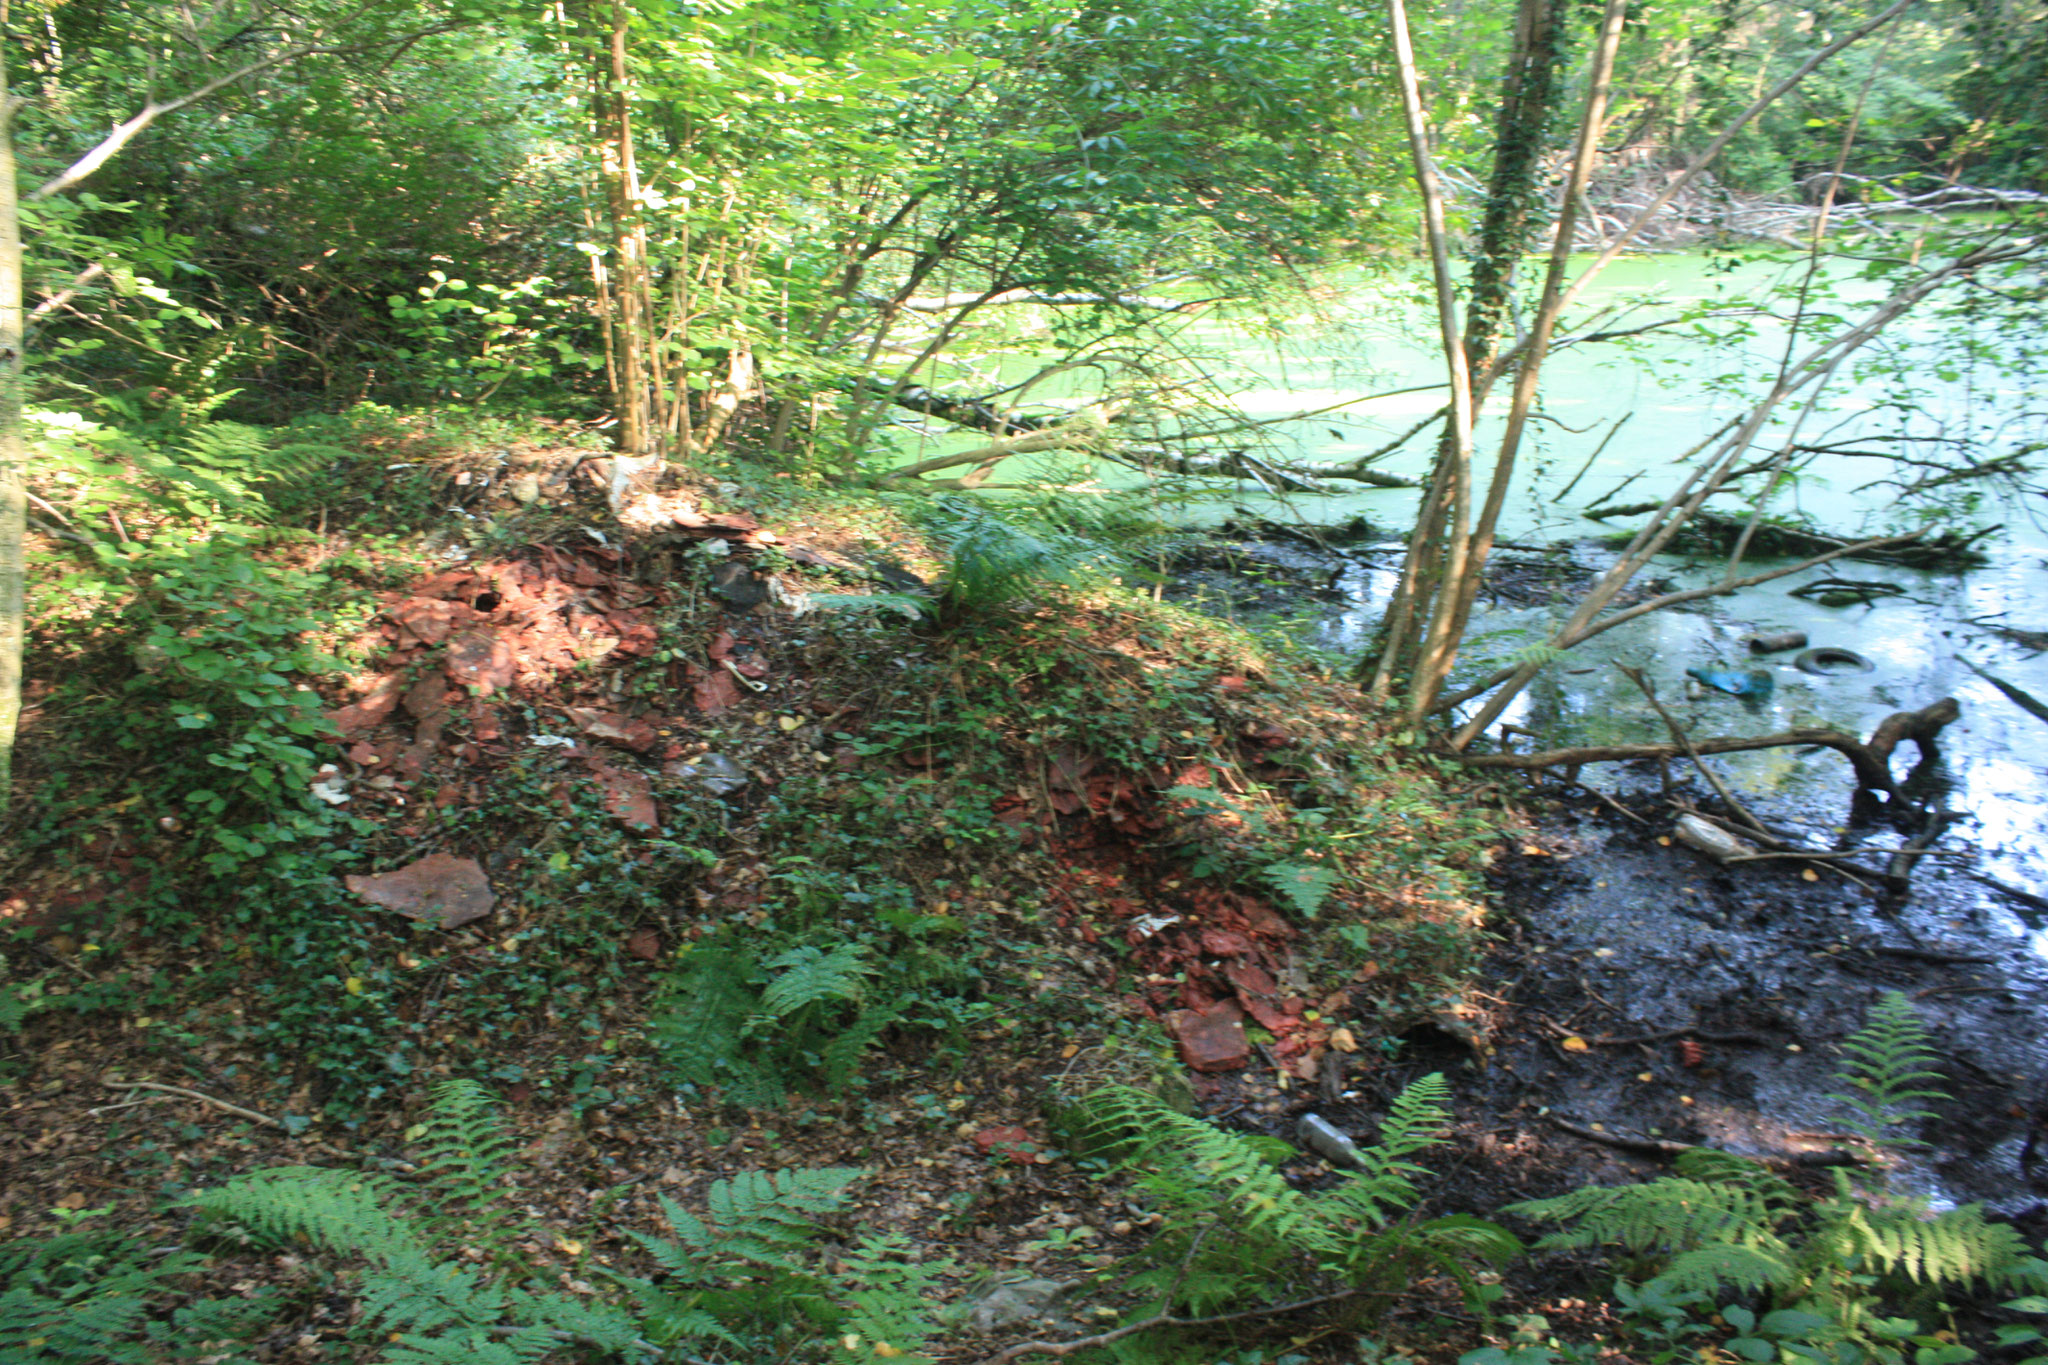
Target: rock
x=1005 y=1304
x=524 y=488
x=1212 y=1038
x=450 y=890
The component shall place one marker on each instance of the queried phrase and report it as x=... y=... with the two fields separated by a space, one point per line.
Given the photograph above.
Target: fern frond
x=840 y=1060
x=1727 y=1265
x=1189 y=1163
x=464 y=1146
x=778 y=1207
x=1672 y=1214
x=1955 y=1247
x=699 y=1022
x=1890 y=1064
x=887 y=1290
x=808 y=974
x=339 y=1211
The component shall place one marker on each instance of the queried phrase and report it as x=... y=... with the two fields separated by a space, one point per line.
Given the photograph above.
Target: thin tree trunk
x=13 y=455
x=638 y=440
x=1455 y=475
x=1465 y=591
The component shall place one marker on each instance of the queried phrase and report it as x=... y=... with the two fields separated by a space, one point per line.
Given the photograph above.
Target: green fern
x=993 y=562
x=741 y=1276
x=699 y=1021
x=432 y=1308
x=1237 y=1228
x=101 y=1298
x=755 y=1028
x=808 y=974
x=466 y=1153
x=1723 y=1224
x=1890 y=1062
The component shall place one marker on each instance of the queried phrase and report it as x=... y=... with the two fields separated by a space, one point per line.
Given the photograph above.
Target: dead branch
x=1870 y=759
x=195 y=1095
x=1067 y=1348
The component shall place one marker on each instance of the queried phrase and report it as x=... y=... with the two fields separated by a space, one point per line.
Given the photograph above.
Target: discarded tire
x=1828 y=660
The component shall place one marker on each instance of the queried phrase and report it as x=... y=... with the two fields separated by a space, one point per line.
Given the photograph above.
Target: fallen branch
x=1067 y=1348
x=196 y=1095
x=1871 y=759
x=1756 y=826
x=1666 y=1148
x=2019 y=697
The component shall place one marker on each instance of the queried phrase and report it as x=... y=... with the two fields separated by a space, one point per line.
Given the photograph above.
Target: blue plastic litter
x=1753 y=682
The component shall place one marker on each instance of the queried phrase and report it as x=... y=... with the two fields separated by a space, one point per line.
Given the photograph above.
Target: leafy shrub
x=225 y=662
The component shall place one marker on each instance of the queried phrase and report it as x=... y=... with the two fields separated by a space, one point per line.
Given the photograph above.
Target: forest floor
x=590 y=762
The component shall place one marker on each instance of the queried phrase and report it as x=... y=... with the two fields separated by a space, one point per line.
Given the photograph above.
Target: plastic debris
x=330 y=786
x=1754 y=682
x=716 y=773
x=1328 y=1141
x=1709 y=838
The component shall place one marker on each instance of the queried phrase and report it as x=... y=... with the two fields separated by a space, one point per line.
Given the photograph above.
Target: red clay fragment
x=1224 y=943
x=1008 y=1141
x=1211 y=1039
x=481 y=661
x=439 y=887
x=715 y=691
x=375 y=706
x=636 y=735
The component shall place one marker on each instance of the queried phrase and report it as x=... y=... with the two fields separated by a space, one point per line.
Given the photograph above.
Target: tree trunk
x=13 y=455
x=639 y=457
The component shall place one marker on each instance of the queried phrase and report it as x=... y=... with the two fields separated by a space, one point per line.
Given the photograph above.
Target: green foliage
x=87 y=1297
x=1237 y=1230
x=754 y=1027
x=413 y=1292
x=993 y=562
x=1833 y=1266
x=740 y=1278
x=1889 y=1065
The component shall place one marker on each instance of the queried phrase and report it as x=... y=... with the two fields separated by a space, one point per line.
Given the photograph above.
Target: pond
x=1674 y=392
x=1659 y=938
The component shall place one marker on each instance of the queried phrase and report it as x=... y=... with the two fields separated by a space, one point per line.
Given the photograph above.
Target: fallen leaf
x=1344 y=1040
x=1808 y=874
x=1575 y=1044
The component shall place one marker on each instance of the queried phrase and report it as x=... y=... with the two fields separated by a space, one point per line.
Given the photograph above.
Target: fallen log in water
x=1776 y=539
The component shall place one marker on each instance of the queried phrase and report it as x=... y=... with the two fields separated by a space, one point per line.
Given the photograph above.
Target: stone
x=440 y=887
x=1008 y=1303
x=1212 y=1038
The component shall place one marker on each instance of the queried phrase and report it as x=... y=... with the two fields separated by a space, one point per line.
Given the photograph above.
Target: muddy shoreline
x=1642 y=997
